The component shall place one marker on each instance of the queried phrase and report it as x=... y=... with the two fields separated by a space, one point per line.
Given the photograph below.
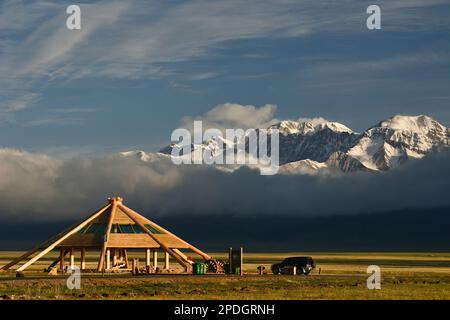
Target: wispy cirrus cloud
x=38 y=49
x=379 y=65
x=60 y=117
x=140 y=40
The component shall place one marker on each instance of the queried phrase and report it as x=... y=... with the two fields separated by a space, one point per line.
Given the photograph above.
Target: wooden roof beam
x=191 y=247
x=132 y=216
x=114 y=202
x=60 y=240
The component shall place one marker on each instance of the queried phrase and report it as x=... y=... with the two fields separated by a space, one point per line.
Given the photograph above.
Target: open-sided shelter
x=111 y=231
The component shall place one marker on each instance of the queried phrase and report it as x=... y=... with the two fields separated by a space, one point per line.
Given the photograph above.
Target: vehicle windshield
x=296 y=259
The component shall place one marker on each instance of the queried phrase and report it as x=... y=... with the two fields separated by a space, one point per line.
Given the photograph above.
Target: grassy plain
x=342 y=276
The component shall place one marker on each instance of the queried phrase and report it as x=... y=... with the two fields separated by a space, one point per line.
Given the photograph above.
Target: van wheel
x=276 y=270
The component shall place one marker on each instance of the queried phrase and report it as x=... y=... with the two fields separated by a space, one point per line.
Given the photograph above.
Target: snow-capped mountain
x=308 y=126
x=315 y=140
x=145 y=156
x=302 y=167
x=393 y=141
x=308 y=146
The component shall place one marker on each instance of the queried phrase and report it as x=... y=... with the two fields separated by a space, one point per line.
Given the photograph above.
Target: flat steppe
x=342 y=276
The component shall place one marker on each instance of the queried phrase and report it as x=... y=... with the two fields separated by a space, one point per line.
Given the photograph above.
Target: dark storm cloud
x=40 y=188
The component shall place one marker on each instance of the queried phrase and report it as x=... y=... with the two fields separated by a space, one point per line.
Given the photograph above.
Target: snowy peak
x=309 y=145
x=419 y=124
x=302 y=167
x=416 y=133
x=143 y=156
x=397 y=139
x=286 y=127
x=309 y=126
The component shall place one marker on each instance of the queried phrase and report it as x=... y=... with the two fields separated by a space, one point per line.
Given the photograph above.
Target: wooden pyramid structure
x=112 y=230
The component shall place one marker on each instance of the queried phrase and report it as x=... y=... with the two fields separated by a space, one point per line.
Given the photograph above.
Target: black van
x=304 y=265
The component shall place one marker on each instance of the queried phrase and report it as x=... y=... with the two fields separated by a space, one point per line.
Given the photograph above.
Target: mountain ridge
x=312 y=145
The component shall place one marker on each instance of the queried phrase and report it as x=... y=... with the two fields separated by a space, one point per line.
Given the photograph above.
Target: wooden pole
x=166 y=260
x=83 y=259
x=133 y=267
x=125 y=256
x=46 y=243
x=155 y=258
x=230 y=258
x=114 y=202
x=62 y=253
x=114 y=254
x=57 y=260
x=241 y=266
x=72 y=259
x=147 y=257
x=108 y=259
x=183 y=255
x=67 y=235
x=22 y=257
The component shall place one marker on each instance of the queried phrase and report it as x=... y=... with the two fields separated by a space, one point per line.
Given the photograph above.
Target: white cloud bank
x=39 y=188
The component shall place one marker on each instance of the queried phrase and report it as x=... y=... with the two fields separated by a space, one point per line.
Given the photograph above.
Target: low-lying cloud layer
x=41 y=188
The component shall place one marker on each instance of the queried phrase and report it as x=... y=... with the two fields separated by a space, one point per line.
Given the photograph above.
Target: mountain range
x=313 y=145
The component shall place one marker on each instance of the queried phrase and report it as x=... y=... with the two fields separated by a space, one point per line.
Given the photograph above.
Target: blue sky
x=137 y=68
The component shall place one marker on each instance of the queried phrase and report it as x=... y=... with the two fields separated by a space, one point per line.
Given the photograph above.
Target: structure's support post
x=147 y=257
x=191 y=247
x=231 y=260
x=114 y=203
x=108 y=259
x=64 y=237
x=181 y=254
x=125 y=256
x=83 y=259
x=166 y=260
x=72 y=259
x=43 y=245
x=54 y=263
x=114 y=254
x=155 y=258
x=62 y=253
x=17 y=260
x=241 y=265
x=135 y=266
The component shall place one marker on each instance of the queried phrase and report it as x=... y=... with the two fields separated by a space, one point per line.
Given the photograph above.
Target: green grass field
x=342 y=276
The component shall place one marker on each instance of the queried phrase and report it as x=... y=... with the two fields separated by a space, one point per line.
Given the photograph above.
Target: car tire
x=276 y=270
